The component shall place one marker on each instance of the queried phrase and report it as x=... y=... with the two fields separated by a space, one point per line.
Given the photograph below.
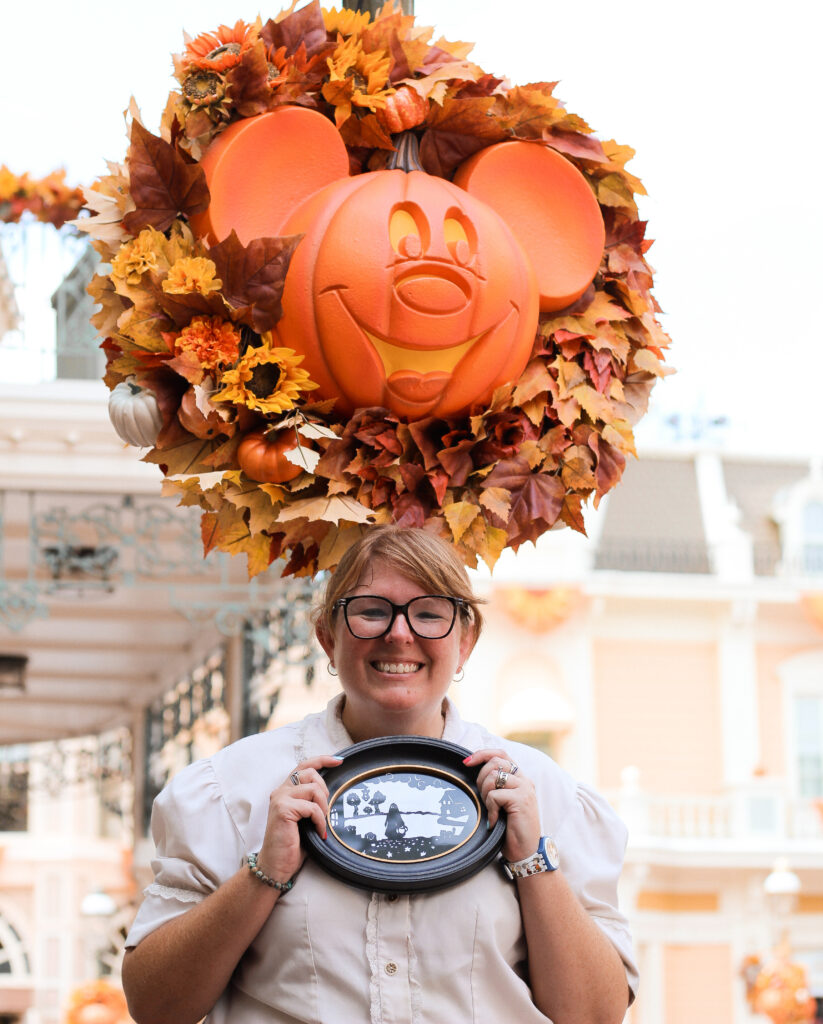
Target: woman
x=284 y=942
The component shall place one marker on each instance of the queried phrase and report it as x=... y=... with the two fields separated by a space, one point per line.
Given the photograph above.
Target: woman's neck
x=369 y=727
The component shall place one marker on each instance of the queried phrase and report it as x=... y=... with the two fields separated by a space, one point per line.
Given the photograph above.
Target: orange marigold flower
x=212 y=340
x=192 y=274
x=138 y=256
x=220 y=50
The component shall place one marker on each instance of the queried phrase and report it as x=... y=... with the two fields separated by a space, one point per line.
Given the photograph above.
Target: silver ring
x=514 y=769
x=295 y=778
x=502 y=779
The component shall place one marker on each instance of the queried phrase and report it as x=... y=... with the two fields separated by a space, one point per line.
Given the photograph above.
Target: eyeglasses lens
x=428 y=617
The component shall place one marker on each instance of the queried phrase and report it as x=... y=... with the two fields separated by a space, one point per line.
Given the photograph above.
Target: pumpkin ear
x=261 y=168
x=550 y=208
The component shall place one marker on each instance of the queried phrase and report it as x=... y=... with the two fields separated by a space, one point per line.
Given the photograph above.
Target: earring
x=331 y=669
x=459 y=677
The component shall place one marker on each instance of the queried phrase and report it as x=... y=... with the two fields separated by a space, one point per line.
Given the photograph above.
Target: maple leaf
x=186 y=457
x=203 y=425
x=609 y=467
x=497 y=501
x=222 y=529
x=254 y=275
x=336 y=543
x=304 y=26
x=460 y=515
x=262 y=510
x=572 y=513
x=162 y=183
x=249 y=82
x=458 y=129
x=434 y=85
x=578 y=469
x=331 y=510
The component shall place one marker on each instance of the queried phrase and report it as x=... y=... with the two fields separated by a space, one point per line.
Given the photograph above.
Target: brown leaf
x=193 y=420
x=254 y=275
x=303 y=26
x=163 y=184
x=460 y=515
x=535 y=508
x=249 y=83
x=457 y=130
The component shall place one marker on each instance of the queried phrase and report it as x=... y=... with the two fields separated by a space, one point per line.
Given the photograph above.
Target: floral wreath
x=48 y=199
x=187 y=325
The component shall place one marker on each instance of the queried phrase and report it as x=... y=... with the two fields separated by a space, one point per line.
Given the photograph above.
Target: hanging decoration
x=366 y=281
x=48 y=199
x=98 y=1002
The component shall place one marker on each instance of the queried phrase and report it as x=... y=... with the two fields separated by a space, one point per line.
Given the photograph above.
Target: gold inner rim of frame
x=419 y=769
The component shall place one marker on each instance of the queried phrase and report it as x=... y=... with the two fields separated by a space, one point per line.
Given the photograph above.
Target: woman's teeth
x=398 y=667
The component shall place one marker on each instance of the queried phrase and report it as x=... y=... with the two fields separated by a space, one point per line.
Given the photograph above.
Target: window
x=808 y=727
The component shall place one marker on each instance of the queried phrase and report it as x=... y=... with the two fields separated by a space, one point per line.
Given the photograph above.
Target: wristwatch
x=546 y=859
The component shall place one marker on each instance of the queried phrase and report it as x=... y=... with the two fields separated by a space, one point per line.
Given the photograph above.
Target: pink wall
x=698 y=984
x=657 y=706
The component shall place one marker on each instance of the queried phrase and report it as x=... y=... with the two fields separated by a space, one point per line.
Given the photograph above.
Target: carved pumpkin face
x=407 y=292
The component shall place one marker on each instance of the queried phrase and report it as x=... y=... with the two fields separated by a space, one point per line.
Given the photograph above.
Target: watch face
x=550 y=852
x=405 y=815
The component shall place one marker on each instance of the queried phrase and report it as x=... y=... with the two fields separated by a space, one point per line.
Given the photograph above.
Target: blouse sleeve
x=198 y=848
x=592 y=842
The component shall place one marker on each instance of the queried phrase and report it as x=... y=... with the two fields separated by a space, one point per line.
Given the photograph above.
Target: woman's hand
x=516 y=796
x=304 y=794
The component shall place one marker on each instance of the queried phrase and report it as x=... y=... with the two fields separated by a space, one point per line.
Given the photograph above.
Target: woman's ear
x=325 y=639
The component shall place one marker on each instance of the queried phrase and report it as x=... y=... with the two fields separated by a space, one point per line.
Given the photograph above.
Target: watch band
x=545 y=859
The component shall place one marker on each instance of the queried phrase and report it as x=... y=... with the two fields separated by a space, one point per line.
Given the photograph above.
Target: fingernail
x=467 y=759
x=488 y=825
x=325 y=836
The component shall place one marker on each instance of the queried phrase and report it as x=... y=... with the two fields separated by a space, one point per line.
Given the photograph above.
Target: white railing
x=759 y=811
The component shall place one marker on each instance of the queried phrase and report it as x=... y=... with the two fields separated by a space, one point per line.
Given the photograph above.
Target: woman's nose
x=400 y=631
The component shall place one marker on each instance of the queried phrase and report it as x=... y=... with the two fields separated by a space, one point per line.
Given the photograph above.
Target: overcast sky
x=721 y=101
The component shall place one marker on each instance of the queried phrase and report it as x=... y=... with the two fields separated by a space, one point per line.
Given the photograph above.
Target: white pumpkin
x=134 y=413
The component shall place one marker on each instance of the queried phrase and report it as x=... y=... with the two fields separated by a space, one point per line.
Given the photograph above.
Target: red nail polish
x=325 y=836
x=467 y=759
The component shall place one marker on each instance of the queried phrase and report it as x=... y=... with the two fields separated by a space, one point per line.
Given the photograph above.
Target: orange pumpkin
x=408 y=293
x=262 y=456
x=404 y=109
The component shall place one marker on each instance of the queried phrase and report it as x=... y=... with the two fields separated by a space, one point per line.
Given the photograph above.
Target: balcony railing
x=758 y=813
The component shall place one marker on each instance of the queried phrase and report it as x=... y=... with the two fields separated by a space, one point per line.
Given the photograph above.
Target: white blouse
x=333 y=954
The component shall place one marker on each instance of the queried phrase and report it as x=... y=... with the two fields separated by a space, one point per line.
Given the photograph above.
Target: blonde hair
x=416 y=555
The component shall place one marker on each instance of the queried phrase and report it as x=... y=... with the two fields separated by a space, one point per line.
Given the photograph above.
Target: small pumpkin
x=134 y=413
x=404 y=109
x=262 y=456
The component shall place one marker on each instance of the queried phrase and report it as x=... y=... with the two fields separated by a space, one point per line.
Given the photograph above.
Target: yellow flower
x=192 y=274
x=138 y=256
x=344 y=21
x=212 y=340
x=356 y=78
x=9 y=183
x=267 y=379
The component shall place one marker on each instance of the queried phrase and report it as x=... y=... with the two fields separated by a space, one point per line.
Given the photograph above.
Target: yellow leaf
x=498 y=501
x=460 y=515
x=331 y=510
x=578 y=468
x=336 y=543
x=643 y=359
x=596 y=405
x=620 y=435
x=569 y=375
x=535 y=410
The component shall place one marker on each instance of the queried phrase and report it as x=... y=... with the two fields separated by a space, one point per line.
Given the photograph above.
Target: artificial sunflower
x=266 y=379
x=218 y=51
x=214 y=341
x=346 y=22
x=192 y=274
x=356 y=78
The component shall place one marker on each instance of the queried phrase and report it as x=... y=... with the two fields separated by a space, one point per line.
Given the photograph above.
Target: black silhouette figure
x=396 y=828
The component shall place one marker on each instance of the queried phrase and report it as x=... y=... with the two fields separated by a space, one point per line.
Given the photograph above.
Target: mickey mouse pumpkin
x=407 y=291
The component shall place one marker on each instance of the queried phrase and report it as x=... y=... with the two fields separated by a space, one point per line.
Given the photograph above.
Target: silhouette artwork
x=403 y=815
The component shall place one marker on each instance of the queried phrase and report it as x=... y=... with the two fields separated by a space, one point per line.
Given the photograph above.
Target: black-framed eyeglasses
x=430 y=616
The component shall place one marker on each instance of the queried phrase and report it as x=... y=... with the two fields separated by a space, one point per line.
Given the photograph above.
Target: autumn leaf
x=222 y=529
x=535 y=507
x=460 y=515
x=248 y=82
x=497 y=501
x=331 y=510
x=162 y=184
x=254 y=275
x=336 y=543
x=187 y=457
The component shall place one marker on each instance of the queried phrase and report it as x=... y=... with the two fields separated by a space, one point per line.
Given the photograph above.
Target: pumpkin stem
x=406 y=156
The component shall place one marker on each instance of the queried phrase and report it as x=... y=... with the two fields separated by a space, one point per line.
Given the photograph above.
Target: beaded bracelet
x=282 y=886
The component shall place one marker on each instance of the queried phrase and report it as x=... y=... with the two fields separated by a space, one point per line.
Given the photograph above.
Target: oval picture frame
x=405 y=816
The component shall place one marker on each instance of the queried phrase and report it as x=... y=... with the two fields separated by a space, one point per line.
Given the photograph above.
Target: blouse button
x=391 y=967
